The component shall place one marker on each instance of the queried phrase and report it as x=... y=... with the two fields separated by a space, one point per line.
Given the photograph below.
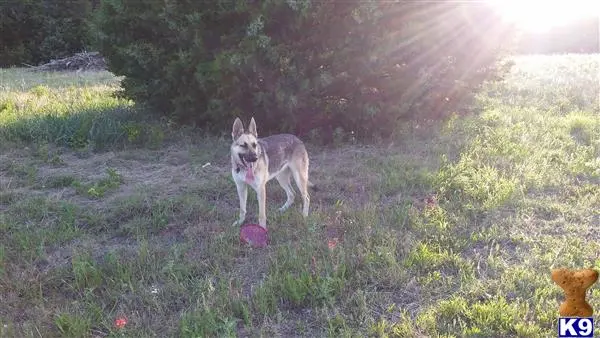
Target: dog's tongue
x=249 y=174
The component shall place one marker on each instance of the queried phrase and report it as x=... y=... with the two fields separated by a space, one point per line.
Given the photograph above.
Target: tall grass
x=76 y=110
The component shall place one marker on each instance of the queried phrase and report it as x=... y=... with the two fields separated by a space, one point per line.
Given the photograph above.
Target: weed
x=72 y=325
x=101 y=187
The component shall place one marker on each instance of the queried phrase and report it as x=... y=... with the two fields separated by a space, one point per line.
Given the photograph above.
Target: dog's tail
x=312 y=186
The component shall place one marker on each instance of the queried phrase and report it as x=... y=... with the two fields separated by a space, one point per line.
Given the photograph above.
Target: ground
x=449 y=231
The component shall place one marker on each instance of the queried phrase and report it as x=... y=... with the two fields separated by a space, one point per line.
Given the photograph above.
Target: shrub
x=301 y=65
x=34 y=31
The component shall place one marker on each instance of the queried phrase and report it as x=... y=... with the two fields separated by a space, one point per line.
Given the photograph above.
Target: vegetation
x=304 y=66
x=34 y=31
x=451 y=231
x=66 y=109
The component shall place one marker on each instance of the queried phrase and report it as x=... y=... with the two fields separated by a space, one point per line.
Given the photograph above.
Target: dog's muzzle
x=251 y=158
x=248 y=158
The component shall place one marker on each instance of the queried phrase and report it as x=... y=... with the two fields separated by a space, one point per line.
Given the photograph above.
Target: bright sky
x=540 y=15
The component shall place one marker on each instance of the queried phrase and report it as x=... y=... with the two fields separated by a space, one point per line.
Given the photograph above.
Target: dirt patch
x=167 y=172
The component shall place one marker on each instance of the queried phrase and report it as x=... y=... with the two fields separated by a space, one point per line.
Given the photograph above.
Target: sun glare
x=540 y=15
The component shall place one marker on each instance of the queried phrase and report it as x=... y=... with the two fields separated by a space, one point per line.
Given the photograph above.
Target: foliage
x=301 y=65
x=34 y=31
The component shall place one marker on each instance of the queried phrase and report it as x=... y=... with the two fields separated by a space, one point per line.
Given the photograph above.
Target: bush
x=301 y=65
x=34 y=31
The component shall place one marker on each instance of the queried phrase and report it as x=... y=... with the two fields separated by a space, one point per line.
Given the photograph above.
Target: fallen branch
x=79 y=62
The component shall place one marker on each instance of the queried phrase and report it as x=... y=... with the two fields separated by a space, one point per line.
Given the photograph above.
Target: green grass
x=452 y=232
x=96 y=189
x=76 y=110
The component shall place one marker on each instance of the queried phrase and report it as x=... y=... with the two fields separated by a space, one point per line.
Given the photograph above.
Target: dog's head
x=245 y=143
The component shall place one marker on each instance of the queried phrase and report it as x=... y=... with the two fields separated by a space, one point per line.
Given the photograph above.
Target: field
x=450 y=231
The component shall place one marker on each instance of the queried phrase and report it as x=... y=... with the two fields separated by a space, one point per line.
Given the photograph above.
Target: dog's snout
x=251 y=157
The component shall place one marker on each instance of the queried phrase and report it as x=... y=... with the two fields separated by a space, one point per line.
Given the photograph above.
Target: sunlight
x=543 y=15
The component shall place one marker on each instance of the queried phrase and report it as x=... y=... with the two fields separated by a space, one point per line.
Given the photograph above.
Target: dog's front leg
x=261 y=194
x=242 y=190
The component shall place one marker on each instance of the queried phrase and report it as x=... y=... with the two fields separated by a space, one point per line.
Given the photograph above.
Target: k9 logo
x=575 y=327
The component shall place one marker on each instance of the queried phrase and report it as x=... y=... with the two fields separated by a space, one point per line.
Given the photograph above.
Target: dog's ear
x=238 y=129
x=252 y=127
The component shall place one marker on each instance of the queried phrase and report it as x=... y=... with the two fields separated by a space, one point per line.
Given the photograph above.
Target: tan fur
x=284 y=150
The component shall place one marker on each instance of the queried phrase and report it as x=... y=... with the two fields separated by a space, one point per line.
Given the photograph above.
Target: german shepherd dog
x=255 y=161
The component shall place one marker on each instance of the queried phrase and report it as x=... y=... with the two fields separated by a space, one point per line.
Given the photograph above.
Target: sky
x=540 y=15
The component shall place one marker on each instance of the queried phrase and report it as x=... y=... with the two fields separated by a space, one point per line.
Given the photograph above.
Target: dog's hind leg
x=284 y=180
x=301 y=178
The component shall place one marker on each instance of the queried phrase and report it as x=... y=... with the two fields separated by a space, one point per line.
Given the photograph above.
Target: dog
x=255 y=161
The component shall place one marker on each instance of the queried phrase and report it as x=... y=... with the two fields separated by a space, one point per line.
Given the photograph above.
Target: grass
x=76 y=110
x=450 y=232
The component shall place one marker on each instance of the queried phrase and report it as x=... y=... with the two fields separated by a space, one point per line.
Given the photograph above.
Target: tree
x=33 y=31
x=301 y=65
